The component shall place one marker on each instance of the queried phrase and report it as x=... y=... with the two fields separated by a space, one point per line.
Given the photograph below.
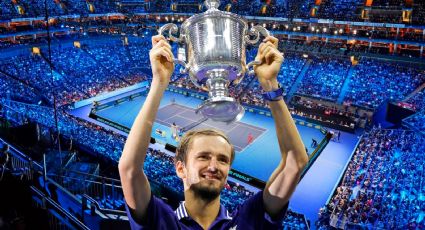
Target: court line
x=241 y=148
x=262 y=133
x=184 y=118
x=251 y=126
x=238 y=124
x=169 y=117
x=230 y=130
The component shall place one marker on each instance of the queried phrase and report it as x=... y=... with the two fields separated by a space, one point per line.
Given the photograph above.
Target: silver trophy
x=215 y=43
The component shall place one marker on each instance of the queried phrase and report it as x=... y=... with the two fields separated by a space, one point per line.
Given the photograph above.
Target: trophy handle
x=184 y=64
x=256 y=31
x=172 y=29
x=252 y=64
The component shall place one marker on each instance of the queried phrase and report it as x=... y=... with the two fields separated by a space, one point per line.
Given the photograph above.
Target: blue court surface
x=257 y=159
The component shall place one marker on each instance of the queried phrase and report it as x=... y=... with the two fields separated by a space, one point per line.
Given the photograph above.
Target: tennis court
x=186 y=118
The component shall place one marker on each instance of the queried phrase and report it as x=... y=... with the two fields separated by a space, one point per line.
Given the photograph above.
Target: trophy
x=215 y=43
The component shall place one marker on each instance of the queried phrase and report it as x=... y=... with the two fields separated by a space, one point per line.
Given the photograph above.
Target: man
x=203 y=160
x=250 y=138
x=313 y=143
x=174 y=131
x=5 y=162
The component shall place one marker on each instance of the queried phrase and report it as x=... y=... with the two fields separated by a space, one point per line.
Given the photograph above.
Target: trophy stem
x=219 y=106
x=217 y=83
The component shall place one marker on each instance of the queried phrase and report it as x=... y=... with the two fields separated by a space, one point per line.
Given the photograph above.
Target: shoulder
x=159 y=216
x=252 y=213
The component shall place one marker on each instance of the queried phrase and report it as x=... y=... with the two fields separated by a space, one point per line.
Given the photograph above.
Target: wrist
x=269 y=85
x=275 y=94
x=159 y=85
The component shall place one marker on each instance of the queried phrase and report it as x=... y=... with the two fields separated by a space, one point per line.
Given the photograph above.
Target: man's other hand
x=161 y=58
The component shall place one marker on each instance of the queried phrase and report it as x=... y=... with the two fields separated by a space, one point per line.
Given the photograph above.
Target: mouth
x=211 y=177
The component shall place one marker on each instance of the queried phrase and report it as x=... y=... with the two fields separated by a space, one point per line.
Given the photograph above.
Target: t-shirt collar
x=181 y=212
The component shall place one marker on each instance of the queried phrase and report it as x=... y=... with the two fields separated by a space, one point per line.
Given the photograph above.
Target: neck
x=204 y=212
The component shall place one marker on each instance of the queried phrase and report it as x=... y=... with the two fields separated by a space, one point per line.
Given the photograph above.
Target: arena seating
x=324 y=78
x=418 y=100
x=382 y=186
x=374 y=81
x=340 y=9
x=91 y=74
x=418 y=14
x=416 y=122
x=295 y=220
x=333 y=9
x=37 y=7
x=7 y=10
x=386 y=3
x=15 y=89
x=300 y=9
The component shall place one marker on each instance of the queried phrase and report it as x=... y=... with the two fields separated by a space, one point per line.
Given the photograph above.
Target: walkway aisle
x=318 y=184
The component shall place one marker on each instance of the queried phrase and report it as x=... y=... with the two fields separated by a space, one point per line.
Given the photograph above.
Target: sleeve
x=158 y=216
x=253 y=213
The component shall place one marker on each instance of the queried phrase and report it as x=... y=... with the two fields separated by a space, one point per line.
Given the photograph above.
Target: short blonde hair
x=186 y=141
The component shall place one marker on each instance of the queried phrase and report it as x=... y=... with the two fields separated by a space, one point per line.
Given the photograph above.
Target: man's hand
x=161 y=58
x=271 y=60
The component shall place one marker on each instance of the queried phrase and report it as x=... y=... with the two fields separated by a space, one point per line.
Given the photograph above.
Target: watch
x=274 y=95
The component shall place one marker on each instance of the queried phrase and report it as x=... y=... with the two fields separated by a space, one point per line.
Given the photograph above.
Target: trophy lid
x=212 y=4
x=225 y=109
x=213 y=11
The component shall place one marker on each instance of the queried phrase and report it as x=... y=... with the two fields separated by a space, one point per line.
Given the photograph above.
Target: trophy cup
x=215 y=43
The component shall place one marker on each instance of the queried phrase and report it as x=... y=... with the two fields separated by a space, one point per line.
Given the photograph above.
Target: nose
x=212 y=166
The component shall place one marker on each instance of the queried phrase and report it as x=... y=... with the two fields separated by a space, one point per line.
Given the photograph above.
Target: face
x=207 y=166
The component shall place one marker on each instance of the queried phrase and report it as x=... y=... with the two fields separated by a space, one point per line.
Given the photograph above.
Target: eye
x=203 y=157
x=224 y=160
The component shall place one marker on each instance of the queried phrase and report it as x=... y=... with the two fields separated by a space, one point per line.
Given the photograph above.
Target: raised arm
x=284 y=179
x=134 y=182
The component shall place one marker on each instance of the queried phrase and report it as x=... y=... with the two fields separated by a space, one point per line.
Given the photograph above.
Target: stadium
x=75 y=73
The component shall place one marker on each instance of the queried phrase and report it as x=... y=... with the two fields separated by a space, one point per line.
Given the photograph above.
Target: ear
x=180 y=169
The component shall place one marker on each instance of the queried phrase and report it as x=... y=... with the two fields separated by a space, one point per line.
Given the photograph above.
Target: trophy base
x=224 y=109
